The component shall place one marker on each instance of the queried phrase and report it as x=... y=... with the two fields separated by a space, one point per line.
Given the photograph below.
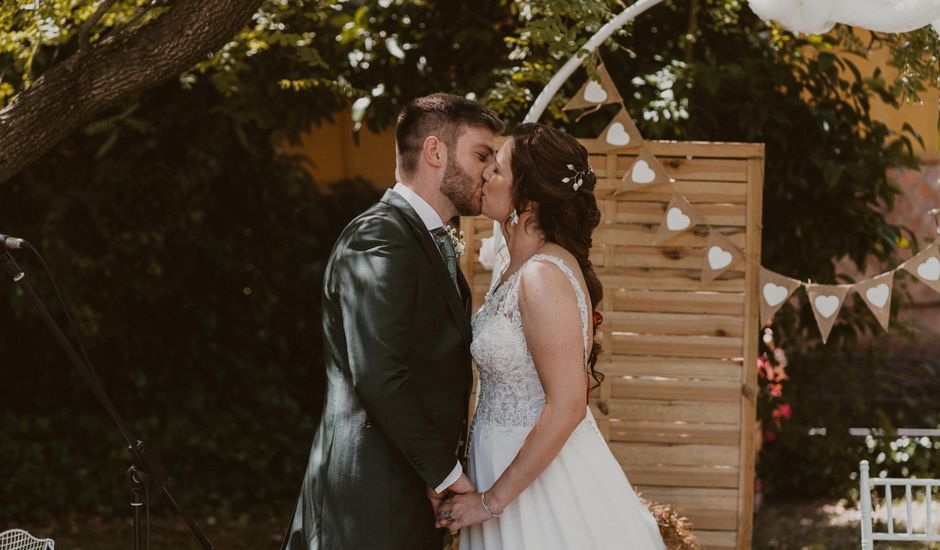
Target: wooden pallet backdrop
x=678 y=404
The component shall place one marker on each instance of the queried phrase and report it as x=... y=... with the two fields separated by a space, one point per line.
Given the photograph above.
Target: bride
x=547 y=477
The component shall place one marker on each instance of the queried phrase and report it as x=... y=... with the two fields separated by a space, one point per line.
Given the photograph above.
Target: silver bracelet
x=487 y=508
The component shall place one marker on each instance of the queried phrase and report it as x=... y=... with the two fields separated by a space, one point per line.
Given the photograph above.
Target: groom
x=396 y=344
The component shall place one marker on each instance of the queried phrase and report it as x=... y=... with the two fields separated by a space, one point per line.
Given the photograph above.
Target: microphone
x=13 y=243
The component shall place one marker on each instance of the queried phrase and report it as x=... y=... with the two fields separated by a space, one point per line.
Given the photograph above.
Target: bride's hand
x=461 y=511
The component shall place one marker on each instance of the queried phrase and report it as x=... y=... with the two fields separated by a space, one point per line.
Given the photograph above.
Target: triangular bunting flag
x=877 y=294
x=720 y=256
x=826 y=301
x=680 y=217
x=620 y=133
x=594 y=93
x=775 y=290
x=926 y=266
x=644 y=172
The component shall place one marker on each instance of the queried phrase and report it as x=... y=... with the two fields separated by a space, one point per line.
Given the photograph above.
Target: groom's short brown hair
x=440 y=115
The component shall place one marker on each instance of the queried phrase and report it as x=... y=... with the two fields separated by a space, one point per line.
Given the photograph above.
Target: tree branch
x=71 y=93
x=85 y=29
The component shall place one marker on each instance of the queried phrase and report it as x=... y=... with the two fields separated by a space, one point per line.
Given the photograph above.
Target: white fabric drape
x=818 y=16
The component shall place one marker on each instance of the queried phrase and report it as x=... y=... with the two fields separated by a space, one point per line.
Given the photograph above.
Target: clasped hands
x=458 y=506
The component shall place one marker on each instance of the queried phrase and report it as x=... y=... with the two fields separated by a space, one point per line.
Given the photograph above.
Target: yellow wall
x=335 y=155
x=923 y=116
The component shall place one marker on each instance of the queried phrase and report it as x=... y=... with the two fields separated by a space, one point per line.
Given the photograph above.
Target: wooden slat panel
x=644 y=235
x=716 y=347
x=664 y=279
x=674 y=323
x=675 y=411
x=704 y=149
x=700 y=169
x=709 y=509
x=694 y=390
x=717 y=540
x=752 y=322
x=671 y=367
x=717 y=214
x=675 y=351
x=673 y=432
x=696 y=191
x=661 y=257
x=684 y=476
x=643 y=454
x=718 y=303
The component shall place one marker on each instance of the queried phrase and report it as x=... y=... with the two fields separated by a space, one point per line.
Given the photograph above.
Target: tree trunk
x=72 y=92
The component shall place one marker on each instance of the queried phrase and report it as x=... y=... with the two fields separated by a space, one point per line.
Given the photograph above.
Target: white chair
x=868 y=536
x=18 y=539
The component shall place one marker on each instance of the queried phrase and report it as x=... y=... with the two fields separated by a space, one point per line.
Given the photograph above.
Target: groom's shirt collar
x=430 y=217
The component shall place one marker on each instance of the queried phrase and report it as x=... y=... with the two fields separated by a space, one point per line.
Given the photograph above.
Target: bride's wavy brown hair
x=567 y=217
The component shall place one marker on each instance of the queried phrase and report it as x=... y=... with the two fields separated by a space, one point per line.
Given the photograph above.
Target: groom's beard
x=461 y=189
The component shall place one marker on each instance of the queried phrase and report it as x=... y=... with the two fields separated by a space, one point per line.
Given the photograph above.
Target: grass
x=165 y=533
x=817 y=525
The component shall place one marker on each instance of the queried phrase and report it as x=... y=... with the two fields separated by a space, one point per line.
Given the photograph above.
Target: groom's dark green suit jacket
x=396 y=338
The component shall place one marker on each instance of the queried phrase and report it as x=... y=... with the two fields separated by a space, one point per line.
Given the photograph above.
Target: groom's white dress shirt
x=432 y=220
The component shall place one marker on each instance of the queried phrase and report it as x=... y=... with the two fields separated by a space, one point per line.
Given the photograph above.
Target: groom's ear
x=434 y=151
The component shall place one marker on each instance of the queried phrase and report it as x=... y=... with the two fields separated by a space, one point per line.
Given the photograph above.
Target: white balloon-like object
x=819 y=16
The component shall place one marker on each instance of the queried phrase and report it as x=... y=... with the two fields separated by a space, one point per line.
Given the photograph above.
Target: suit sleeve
x=376 y=286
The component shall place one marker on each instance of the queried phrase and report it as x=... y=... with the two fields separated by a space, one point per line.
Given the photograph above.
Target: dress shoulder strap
x=582 y=301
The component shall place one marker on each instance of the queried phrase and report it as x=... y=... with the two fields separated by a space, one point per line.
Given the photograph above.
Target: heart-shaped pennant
x=594 y=93
x=826 y=301
x=621 y=133
x=776 y=289
x=775 y=294
x=645 y=171
x=876 y=293
x=680 y=216
x=826 y=305
x=929 y=270
x=720 y=255
x=926 y=266
x=676 y=220
x=642 y=173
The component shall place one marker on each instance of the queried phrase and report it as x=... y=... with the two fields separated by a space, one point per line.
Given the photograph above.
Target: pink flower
x=785 y=411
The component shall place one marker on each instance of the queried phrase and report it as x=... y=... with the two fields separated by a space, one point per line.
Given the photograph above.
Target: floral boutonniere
x=456 y=237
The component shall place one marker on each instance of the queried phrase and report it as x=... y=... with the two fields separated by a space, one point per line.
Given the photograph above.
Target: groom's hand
x=436 y=499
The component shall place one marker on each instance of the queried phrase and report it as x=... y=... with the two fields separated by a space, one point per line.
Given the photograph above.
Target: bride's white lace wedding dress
x=583 y=500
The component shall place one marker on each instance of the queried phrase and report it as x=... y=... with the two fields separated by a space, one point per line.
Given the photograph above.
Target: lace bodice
x=511 y=393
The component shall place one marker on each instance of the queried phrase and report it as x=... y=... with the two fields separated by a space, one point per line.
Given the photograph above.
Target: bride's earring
x=514 y=217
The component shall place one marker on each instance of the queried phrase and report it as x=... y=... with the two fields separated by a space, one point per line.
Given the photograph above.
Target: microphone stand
x=143 y=463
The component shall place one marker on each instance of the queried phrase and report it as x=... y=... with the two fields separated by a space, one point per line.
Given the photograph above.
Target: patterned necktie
x=446 y=246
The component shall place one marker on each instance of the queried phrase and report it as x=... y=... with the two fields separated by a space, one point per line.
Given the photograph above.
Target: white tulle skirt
x=582 y=501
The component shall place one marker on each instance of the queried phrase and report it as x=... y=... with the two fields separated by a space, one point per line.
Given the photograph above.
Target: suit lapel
x=465 y=292
x=459 y=310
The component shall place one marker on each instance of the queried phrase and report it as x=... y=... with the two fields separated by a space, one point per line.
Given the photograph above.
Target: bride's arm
x=552 y=325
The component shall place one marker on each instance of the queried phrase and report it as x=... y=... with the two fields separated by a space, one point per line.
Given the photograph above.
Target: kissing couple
x=392 y=466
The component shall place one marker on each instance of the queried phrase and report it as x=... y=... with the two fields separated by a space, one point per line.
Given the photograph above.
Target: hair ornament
x=578 y=176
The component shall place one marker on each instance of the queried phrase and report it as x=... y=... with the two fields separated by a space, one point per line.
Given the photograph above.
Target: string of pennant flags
x=721 y=254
